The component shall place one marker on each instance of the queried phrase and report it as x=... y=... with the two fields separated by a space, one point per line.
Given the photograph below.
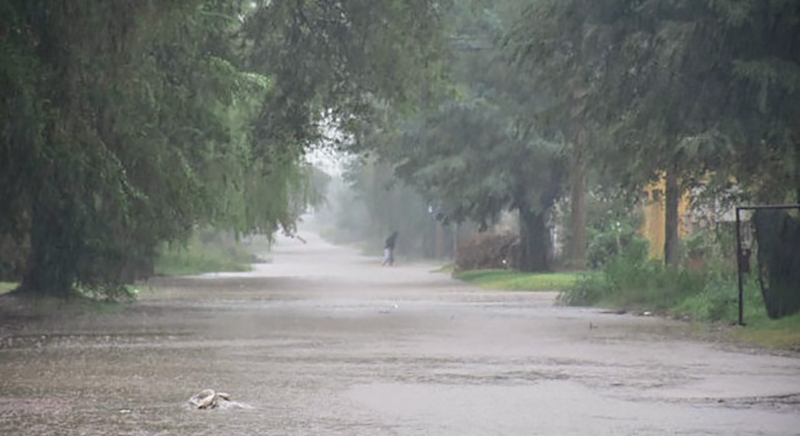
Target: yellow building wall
x=655 y=217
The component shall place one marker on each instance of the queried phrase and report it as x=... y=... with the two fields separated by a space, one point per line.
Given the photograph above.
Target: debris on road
x=209 y=399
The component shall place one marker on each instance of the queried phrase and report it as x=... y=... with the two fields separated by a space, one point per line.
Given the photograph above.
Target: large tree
x=472 y=153
x=670 y=88
x=473 y=162
x=109 y=118
x=760 y=57
x=333 y=61
x=129 y=123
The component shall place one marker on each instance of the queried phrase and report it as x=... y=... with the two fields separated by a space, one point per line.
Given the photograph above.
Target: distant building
x=691 y=217
x=655 y=217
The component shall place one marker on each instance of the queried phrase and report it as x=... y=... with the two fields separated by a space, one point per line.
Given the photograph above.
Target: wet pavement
x=321 y=341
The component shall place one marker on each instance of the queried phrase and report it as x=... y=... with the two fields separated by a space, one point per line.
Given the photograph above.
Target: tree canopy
x=126 y=124
x=685 y=89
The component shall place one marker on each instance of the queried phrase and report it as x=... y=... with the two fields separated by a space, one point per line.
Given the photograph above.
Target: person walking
x=388 y=250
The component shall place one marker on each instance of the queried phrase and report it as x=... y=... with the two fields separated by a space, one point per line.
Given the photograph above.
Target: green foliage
x=211 y=253
x=127 y=124
x=467 y=150
x=704 y=295
x=613 y=223
x=685 y=87
x=127 y=95
x=474 y=165
x=717 y=300
x=670 y=88
x=646 y=285
x=628 y=275
x=332 y=62
x=108 y=293
x=370 y=204
x=471 y=160
x=605 y=246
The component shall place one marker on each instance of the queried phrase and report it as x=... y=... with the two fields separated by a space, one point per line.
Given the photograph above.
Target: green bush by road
x=709 y=295
x=199 y=256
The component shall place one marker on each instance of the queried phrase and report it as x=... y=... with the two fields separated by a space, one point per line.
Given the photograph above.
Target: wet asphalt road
x=323 y=342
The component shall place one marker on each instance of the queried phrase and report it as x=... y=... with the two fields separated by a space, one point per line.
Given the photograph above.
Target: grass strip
x=781 y=334
x=6 y=287
x=707 y=296
x=198 y=258
x=509 y=280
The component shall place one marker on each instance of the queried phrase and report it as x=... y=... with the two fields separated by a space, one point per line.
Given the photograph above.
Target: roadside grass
x=509 y=280
x=54 y=307
x=197 y=257
x=781 y=334
x=709 y=296
x=6 y=287
x=720 y=306
x=82 y=302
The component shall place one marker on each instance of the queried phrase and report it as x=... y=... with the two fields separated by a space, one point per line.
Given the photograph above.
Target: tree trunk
x=797 y=168
x=671 y=218
x=577 y=198
x=455 y=241
x=439 y=240
x=534 y=242
x=52 y=261
x=577 y=195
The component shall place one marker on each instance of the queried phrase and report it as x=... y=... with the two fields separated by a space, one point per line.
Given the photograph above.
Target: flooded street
x=321 y=341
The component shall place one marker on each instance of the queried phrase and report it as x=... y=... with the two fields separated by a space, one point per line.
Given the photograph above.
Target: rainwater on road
x=321 y=341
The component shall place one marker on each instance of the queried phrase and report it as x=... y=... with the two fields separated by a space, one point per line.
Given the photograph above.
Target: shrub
x=605 y=246
x=630 y=268
x=709 y=294
x=217 y=253
x=629 y=281
x=109 y=293
x=718 y=300
x=488 y=251
x=588 y=290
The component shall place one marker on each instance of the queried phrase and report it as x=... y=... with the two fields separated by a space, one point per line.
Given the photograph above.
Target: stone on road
x=321 y=341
